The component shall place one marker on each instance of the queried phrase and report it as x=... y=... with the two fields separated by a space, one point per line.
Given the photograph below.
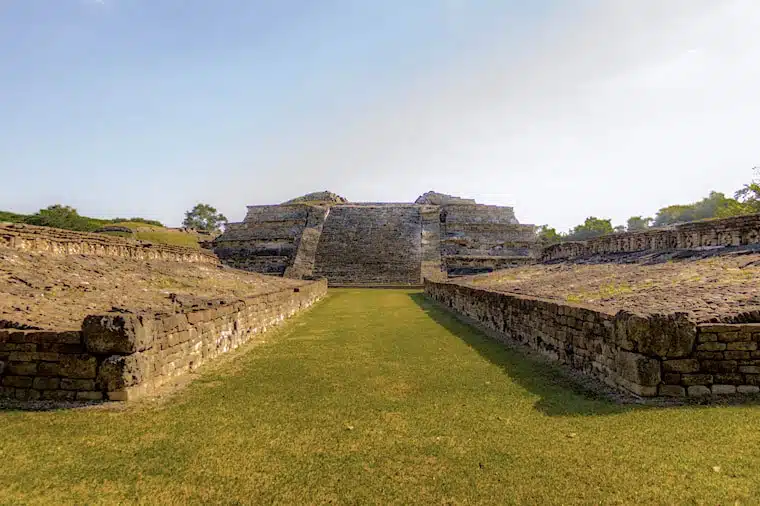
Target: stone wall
x=479 y=238
x=64 y=242
x=647 y=355
x=374 y=244
x=266 y=241
x=736 y=231
x=371 y=245
x=121 y=356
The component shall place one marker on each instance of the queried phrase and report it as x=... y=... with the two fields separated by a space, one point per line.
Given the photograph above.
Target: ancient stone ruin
x=376 y=244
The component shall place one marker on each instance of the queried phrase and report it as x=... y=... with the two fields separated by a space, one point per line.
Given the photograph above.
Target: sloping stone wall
x=266 y=241
x=64 y=242
x=374 y=244
x=124 y=356
x=371 y=245
x=736 y=231
x=647 y=355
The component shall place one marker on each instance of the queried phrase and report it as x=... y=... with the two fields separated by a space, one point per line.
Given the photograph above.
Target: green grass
x=376 y=397
x=160 y=235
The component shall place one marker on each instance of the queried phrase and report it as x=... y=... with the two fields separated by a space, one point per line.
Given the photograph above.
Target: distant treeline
x=716 y=205
x=68 y=218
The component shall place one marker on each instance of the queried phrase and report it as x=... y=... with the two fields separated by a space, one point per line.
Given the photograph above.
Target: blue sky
x=561 y=108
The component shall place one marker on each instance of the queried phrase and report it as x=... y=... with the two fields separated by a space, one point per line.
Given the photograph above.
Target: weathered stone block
x=48 y=369
x=741 y=346
x=723 y=389
x=736 y=355
x=684 y=365
x=46 y=383
x=117 y=334
x=671 y=336
x=18 y=381
x=719 y=365
x=699 y=391
x=77 y=384
x=78 y=366
x=671 y=378
x=27 y=394
x=58 y=395
x=728 y=378
x=638 y=368
x=709 y=355
x=747 y=389
x=711 y=346
x=696 y=379
x=749 y=369
x=89 y=396
x=672 y=391
x=119 y=372
x=22 y=368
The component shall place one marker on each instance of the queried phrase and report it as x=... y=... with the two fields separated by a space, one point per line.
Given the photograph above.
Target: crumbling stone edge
x=659 y=356
x=123 y=356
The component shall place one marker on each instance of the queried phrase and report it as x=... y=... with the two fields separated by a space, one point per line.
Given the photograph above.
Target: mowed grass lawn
x=377 y=397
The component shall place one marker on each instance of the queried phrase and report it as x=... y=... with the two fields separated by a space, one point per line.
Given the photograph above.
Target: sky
x=561 y=108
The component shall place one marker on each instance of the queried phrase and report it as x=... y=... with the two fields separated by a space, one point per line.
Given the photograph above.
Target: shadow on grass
x=561 y=392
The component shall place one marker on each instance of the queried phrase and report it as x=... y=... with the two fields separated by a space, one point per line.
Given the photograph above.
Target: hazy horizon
x=560 y=109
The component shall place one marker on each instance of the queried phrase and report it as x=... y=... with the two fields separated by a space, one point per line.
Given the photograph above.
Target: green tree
x=592 y=227
x=547 y=236
x=749 y=198
x=65 y=217
x=636 y=223
x=716 y=205
x=204 y=217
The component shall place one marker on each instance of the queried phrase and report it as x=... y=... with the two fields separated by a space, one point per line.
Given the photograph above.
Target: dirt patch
x=721 y=288
x=57 y=292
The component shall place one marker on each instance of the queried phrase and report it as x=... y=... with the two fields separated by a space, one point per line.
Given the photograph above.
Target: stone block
x=728 y=337
x=749 y=369
x=699 y=391
x=671 y=336
x=48 y=369
x=117 y=334
x=671 y=378
x=736 y=355
x=78 y=366
x=711 y=346
x=73 y=337
x=58 y=395
x=27 y=394
x=89 y=396
x=706 y=337
x=696 y=379
x=21 y=368
x=119 y=372
x=719 y=365
x=748 y=389
x=683 y=366
x=638 y=369
x=672 y=391
x=709 y=355
x=18 y=381
x=741 y=346
x=77 y=384
x=723 y=389
x=728 y=378
x=46 y=383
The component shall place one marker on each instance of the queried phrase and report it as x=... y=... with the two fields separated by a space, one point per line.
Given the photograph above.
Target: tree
x=204 y=217
x=716 y=205
x=620 y=229
x=65 y=217
x=547 y=236
x=749 y=198
x=636 y=223
x=592 y=227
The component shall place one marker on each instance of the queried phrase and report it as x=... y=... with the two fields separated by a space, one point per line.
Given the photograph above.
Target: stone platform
x=374 y=243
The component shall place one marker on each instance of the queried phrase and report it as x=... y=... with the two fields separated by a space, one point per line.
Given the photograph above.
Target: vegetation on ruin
x=67 y=218
x=205 y=218
x=746 y=200
x=378 y=397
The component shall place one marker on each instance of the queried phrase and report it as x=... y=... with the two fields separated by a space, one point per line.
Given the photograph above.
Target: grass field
x=375 y=397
